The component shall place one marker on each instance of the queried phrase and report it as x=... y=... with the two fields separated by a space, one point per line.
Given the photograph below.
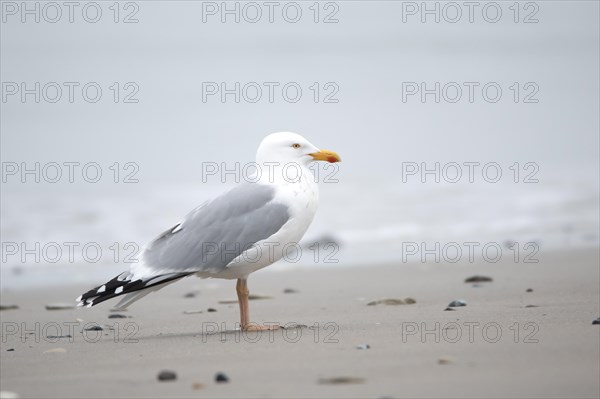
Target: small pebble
x=363 y=346
x=191 y=294
x=8 y=307
x=167 y=375
x=211 y=310
x=117 y=316
x=341 y=380
x=531 y=306
x=447 y=309
x=529 y=290
x=478 y=279
x=221 y=378
x=444 y=360
x=457 y=303
x=10 y=350
x=596 y=322
x=290 y=291
x=94 y=328
x=192 y=311
x=293 y=326
x=59 y=306
x=197 y=386
x=253 y=297
x=392 y=301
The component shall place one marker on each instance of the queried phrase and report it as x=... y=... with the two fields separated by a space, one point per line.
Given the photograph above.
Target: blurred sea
x=370 y=222
x=369 y=54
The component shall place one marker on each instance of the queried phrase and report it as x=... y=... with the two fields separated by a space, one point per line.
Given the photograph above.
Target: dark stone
x=94 y=328
x=342 y=380
x=211 y=310
x=478 y=279
x=392 y=301
x=290 y=291
x=117 y=316
x=449 y=309
x=457 y=303
x=293 y=326
x=8 y=307
x=60 y=306
x=529 y=290
x=10 y=350
x=167 y=375
x=253 y=297
x=221 y=378
x=596 y=322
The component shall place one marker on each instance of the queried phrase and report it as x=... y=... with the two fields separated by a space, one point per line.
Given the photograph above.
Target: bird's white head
x=286 y=147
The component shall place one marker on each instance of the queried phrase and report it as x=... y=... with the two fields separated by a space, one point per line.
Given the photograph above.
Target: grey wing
x=215 y=233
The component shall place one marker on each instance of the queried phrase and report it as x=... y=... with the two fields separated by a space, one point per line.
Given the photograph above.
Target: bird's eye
x=296 y=145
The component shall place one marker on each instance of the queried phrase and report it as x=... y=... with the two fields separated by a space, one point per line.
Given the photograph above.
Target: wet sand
x=506 y=342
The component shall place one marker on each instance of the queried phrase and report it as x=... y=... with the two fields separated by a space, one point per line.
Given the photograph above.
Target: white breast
x=302 y=199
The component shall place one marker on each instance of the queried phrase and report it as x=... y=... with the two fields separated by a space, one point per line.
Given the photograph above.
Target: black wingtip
x=121 y=285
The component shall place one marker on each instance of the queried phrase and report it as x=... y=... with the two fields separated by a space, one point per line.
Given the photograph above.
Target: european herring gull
x=237 y=233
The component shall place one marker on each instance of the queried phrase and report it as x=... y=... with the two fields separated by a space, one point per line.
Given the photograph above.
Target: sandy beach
x=142 y=141
x=506 y=342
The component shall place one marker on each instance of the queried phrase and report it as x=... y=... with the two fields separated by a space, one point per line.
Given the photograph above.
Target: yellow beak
x=325 y=155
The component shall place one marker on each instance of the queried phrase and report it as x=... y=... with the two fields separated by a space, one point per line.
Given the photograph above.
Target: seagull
x=237 y=233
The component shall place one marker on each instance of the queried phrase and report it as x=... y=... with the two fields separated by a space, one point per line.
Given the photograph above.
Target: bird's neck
x=283 y=172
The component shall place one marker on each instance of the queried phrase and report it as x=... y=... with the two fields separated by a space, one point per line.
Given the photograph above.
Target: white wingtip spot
x=101 y=289
x=119 y=290
x=89 y=305
x=79 y=298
